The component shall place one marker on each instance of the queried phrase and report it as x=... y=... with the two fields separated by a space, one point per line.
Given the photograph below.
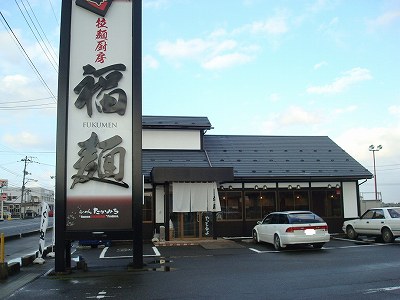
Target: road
x=21 y=226
x=343 y=269
x=26 y=245
x=22 y=237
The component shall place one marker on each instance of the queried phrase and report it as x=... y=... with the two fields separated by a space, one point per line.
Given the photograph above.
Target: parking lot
x=239 y=269
x=239 y=246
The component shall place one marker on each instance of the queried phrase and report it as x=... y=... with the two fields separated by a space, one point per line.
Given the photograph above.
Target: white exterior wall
x=325 y=184
x=350 y=200
x=293 y=184
x=171 y=139
x=159 y=204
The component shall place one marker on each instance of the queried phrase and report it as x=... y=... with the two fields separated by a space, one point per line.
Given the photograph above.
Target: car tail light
x=302 y=228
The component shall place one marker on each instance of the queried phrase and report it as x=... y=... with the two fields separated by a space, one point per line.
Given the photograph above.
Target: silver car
x=292 y=228
x=382 y=222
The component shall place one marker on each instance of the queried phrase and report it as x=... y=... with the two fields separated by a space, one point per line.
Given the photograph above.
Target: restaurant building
x=199 y=185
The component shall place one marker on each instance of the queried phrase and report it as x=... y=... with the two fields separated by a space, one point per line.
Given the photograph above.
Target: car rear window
x=302 y=218
x=394 y=212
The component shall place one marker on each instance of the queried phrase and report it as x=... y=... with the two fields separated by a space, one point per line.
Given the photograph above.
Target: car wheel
x=351 y=233
x=387 y=235
x=255 y=237
x=277 y=242
x=318 y=246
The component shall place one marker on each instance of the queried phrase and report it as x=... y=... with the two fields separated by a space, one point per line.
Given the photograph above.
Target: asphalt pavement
x=217 y=269
x=16 y=228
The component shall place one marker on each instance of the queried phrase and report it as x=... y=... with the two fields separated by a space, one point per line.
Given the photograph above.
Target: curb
x=22 y=234
x=10 y=269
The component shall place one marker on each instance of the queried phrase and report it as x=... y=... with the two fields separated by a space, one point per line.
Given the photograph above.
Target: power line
x=388 y=165
x=11 y=32
x=34 y=34
x=35 y=152
x=55 y=57
x=8 y=105
x=31 y=100
x=381 y=168
x=34 y=106
x=15 y=151
x=9 y=171
x=54 y=13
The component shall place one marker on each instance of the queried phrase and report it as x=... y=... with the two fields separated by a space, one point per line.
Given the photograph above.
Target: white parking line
x=363 y=244
x=267 y=251
x=358 y=241
x=103 y=253
x=386 y=289
x=157 y=253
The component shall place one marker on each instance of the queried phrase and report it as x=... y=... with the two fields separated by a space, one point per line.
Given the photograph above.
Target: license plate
x=309 y=231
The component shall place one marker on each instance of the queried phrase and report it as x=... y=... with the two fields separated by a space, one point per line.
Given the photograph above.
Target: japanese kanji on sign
x=99 y=166
x=99 y=174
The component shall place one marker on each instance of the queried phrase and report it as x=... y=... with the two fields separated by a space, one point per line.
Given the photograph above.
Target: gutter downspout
x=363 y=182
x=358 y=197
x=208 y=158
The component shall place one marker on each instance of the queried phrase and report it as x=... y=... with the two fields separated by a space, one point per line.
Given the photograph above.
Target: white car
x=382 y=222
x=292 y=228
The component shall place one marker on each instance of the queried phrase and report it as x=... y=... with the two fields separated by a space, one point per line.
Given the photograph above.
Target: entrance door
x=190 y=225
x=193 y=225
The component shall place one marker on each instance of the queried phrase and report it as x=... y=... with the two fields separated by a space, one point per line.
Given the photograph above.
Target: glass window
x=379 y=214
x=294 y=200
x=267 y=219
x=326 y=203
x=301 y=200
x=258 y=204
x=231 y=205
x=394 y=212
x=267 y=202
x=286 y=201
x=252 y=203
x=275 y=219
x=368 y=214
x=283 y=219
x=301 y=218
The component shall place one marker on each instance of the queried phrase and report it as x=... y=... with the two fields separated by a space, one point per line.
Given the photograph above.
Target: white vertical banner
x=53 y=240
x=44 y=222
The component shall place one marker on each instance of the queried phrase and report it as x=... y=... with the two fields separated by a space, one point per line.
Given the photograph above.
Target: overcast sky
x=253 y=67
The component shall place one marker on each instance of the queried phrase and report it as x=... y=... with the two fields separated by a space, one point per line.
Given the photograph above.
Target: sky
x=253 y=67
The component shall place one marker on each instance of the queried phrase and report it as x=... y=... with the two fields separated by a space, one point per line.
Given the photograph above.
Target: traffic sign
x=3 y=183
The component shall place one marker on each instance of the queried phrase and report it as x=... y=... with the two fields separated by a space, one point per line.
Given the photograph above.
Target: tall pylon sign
x=99 y=126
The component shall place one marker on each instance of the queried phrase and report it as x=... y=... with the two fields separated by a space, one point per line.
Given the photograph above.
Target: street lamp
x=373 y=149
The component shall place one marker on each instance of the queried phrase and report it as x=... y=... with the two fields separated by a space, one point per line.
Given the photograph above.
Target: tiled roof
x=265 y=158
x=282 y=157
x=175 y=122
x=172 y=158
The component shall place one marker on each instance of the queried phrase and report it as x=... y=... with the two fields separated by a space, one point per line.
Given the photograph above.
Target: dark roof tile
x=175 y=122
x=255 y=157
x=282 y=156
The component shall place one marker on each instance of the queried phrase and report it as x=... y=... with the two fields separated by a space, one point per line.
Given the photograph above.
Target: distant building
x=367 y=201
x=192 y=177
x=32 y=203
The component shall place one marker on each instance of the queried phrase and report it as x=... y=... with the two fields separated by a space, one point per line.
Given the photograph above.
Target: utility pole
x=26 y=160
